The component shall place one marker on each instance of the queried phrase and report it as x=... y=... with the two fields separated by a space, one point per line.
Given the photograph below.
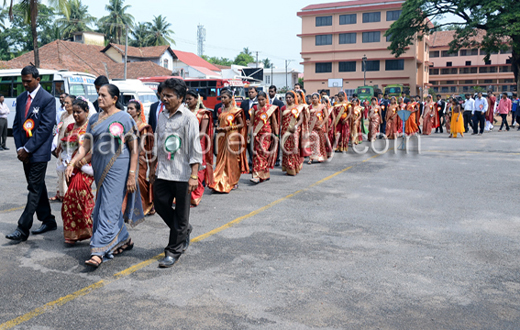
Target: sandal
x=70 y=242
x=255 y=180
x=129 y=245
x=235 y=187
x=94 y=261
x=55 y=198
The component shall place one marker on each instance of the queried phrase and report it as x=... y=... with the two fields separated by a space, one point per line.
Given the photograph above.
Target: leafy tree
x=243 y=58
x=267 y=63
x=160 y=32
x=500 y=19
x=78 y=20
x=218 y=60
x=140 y=35
x=113 y=25
x=300 y=81
x=29 y=12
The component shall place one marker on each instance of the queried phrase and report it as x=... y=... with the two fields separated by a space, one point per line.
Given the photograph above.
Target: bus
x=55 y=82
x=209 y=89
x=365 y=93
x=394 y=90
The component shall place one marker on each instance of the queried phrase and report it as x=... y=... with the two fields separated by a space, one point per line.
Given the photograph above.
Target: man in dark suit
x=155 y=109
x=98 y=83
x=275 y=101
x=440 y=108
x=32 y=131
x=246 y=106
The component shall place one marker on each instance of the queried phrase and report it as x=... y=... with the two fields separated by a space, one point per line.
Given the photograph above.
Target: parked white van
x=135 y=89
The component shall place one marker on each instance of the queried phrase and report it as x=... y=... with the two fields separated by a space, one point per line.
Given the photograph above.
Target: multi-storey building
x=461 y=71
x=336 y=37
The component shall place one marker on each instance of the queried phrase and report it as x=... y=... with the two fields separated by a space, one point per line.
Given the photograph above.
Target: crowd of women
x=123 y=176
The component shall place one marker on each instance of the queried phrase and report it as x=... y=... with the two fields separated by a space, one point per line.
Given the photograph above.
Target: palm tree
x=78 y=20
x=160 y=32
x=141 y=33
x=116 y=20
x=247 y=51
x=267 y=63
x=30 y=9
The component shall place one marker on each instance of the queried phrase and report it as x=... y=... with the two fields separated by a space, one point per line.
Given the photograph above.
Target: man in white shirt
x=469 y=105
x=4 y=112
x=62 y=107
x=479 y=113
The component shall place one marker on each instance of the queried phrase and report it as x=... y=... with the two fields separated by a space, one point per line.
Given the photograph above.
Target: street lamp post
x=364 y=70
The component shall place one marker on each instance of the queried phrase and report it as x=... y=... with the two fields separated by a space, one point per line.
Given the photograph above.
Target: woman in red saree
x=355 y=123
x=411 y=127
x=78 y=202
x=341 y=123
x=319 y=141
x=264 y=124
x=135 y=109
x=329 y=126
x=392 y=123
x=374 y=117
x=204 y=116
x=429 y=116
x=231 y=144
x=294 y=134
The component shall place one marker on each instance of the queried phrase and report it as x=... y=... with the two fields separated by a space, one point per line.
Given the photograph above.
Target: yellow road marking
x=13 y=209
x=130 y=270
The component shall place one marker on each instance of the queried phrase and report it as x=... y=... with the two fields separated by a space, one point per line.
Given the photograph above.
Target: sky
x=269 y=27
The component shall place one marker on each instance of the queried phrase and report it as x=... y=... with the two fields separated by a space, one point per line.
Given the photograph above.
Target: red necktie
x=162 y=108
x=27 y=105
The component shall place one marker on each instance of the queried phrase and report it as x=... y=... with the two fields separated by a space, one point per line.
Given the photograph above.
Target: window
x=453 y=89
x=505 y=68
x=483 y=70
x=483 y=52
x=323 y=67
x=450 y=82
x=325 y=39
x=446 y=53
x=493 y=69
x=347 y=38
x=444 y=89
x=508 y=61
x=463 y=52
x=371 y=66
x=464 y=70
x=389 y=38
x=165 y=63
x=324 y=21
x=372 y=36
x=508 y=51
x=488 y=81
x=445 y=71
x=468 y=63
x=468 y=81
x=448 y=63
x=393 y=15
x=473 y=70
x=436 y=89
x=465 y=89
x=347 y=66
x=371 y=17
x=268 y=80
x=434 y=71
x=394 y=65
x=347 y=19
x=474 y=52
x=434 y=53
x=487 y=62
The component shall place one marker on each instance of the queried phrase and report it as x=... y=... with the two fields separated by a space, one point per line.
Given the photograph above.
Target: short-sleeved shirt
x=178 y=144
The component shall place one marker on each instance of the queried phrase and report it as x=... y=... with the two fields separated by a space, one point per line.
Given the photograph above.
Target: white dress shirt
x=4 y=110
x=469 y=105
x=480 y=105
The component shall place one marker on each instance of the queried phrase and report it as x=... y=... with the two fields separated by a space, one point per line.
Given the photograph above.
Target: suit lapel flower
x=35 y=112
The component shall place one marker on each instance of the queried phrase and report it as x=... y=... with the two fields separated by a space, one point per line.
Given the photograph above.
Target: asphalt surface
x=395 y=241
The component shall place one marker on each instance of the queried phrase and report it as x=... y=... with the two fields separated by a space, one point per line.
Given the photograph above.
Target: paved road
x=418 y=241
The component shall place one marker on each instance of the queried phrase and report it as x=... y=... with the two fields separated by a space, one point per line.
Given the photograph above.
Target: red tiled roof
x=191 y=59
x=142 y=52
x=443 y=38
x=72 y=56
x=332 y=5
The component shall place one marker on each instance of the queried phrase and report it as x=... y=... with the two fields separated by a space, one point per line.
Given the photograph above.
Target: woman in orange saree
x=231 y=146
x=411 y=127
x=146 y=142
x=341 y=123
x=204 y=116
x=392 y=119
x=78 y=202
x=374 y=117
x=294 y=130
x=428 y=116
x=264 y=124
x=320 y=145
x=355 y=123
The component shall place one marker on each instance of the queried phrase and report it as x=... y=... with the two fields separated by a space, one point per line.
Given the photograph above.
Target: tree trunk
x=33 y=7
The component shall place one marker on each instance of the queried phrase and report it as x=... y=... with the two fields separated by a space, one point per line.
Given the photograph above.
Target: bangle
x=71 y=164
x=132 y=171
x=194 y=177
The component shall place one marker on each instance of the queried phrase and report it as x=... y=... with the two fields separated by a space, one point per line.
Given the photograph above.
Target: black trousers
x=467 y=121
x=382 y=127
x=37 y=198
x=478 y=119
x=177 y=219
x=504 y=121
x=3 y=132
x=442 y=121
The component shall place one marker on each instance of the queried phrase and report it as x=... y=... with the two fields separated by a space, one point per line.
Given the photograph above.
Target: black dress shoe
x=44 y=228
x=5 y=148
x=277 y=163
x=186 y=243
x=167 y=262
x=17 y=235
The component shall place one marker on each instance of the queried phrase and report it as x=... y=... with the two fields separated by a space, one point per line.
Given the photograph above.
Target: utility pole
x=126 y=48
x=201 y=37
x=257 y=60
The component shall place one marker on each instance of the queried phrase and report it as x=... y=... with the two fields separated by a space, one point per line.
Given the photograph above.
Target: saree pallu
x=373 y=126
x=231 y=153
x=392 y=123
x=320 y=145
x=65 y=121
x=448 y=121
x=355 y=125
x=263 y=158
x=145 y=152
x=410 y=125
x=111 y=165
x=342 y=128
x=428 y=121
x=292 y=159
x=205 y=174
x=78 y=203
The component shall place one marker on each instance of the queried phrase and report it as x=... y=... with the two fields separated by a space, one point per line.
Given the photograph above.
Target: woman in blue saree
x=112 y=138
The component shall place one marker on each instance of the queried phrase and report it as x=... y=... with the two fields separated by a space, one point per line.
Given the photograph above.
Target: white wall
x=278 y=78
